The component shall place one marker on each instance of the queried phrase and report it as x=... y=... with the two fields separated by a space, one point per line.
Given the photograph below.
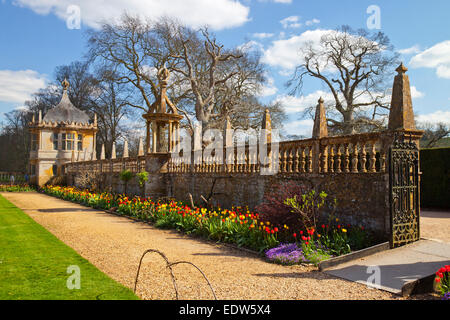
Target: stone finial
x=320 y=128
x=141 y=147
x=125 y=149
x=266 y=123
x=95 y=119
x=65 y=84
x=40 y=116
x=401 y=68
x=33 y=119
x=266 y=127
x=401 y=115
x=228 y=133
x=73 y=156
x=113 y=151
x=163 y=74
x=102 y=153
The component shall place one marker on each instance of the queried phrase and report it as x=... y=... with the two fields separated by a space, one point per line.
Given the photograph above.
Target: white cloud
x=251 y=45
x=22 y=108
x=263 y=35
x=311 y=22
x=436 y=57
x=299 y=127
x=285 y=53
x=269 y=89
x=294 y=104
x=416 y=94
x=412 y=50
x=217 y=14
x=435 y=117
x=291 y=22
x=18 y=86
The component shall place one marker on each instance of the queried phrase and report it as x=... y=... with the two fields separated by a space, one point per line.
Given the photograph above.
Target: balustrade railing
x=358 y=153
x=362 y=153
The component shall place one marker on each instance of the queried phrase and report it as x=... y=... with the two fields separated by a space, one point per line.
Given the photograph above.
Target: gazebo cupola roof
x=65 y=114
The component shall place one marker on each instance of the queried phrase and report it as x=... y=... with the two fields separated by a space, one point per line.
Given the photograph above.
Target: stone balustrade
x=362 y=153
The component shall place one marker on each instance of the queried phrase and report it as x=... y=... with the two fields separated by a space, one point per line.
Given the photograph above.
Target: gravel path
x=115 y=244
x=435 y=225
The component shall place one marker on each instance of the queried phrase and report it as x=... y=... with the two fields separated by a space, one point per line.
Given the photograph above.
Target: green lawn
x=34 y=264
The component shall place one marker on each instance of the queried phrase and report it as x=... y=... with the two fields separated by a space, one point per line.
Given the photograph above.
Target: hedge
x=435 y=178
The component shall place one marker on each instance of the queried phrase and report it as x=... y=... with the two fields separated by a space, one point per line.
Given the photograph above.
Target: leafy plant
x=274 y=209
x=307 y=207
x=126 y=176
x=142 y=178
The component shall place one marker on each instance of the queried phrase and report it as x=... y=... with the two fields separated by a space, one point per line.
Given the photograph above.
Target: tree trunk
x=348 y=125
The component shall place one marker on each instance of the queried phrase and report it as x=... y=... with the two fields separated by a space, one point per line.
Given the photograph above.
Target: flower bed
x=443 y=282
x=16 y=188
x=238 y=226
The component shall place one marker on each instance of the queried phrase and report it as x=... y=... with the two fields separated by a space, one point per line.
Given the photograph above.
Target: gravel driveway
x=435 y=225
x=115 y=244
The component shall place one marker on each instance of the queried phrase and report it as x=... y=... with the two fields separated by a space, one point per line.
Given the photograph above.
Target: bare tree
x=82 y=83
x=223 y=82
x=433 y=133
x=110 y=103
x=15 y=141
x=205 y=78
x=355 y=66
x=208 y=82
x=126 y=49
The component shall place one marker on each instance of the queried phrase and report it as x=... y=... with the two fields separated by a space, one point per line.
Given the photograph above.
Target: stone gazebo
x=162 y=125
x=162 y=121
x=64 y=135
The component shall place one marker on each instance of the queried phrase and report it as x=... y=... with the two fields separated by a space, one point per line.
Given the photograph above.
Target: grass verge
x=34 y=264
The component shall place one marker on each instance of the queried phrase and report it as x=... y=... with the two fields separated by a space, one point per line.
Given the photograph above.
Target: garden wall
x=353 y=169
x=361 y=199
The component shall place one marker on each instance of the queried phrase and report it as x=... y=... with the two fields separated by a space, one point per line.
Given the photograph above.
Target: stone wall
x=361 y=199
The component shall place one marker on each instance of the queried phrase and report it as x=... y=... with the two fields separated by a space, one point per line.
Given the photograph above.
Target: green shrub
x=142 y=178
x=435 y=178
x=126 y=176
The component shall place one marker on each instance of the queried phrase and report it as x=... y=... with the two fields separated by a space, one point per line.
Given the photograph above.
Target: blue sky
x=35 y=38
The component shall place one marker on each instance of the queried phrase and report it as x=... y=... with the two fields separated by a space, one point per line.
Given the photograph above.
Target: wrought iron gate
x=404 y=191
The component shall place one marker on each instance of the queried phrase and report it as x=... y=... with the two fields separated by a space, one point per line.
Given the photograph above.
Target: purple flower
x=288 y=253
x=446 y=296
